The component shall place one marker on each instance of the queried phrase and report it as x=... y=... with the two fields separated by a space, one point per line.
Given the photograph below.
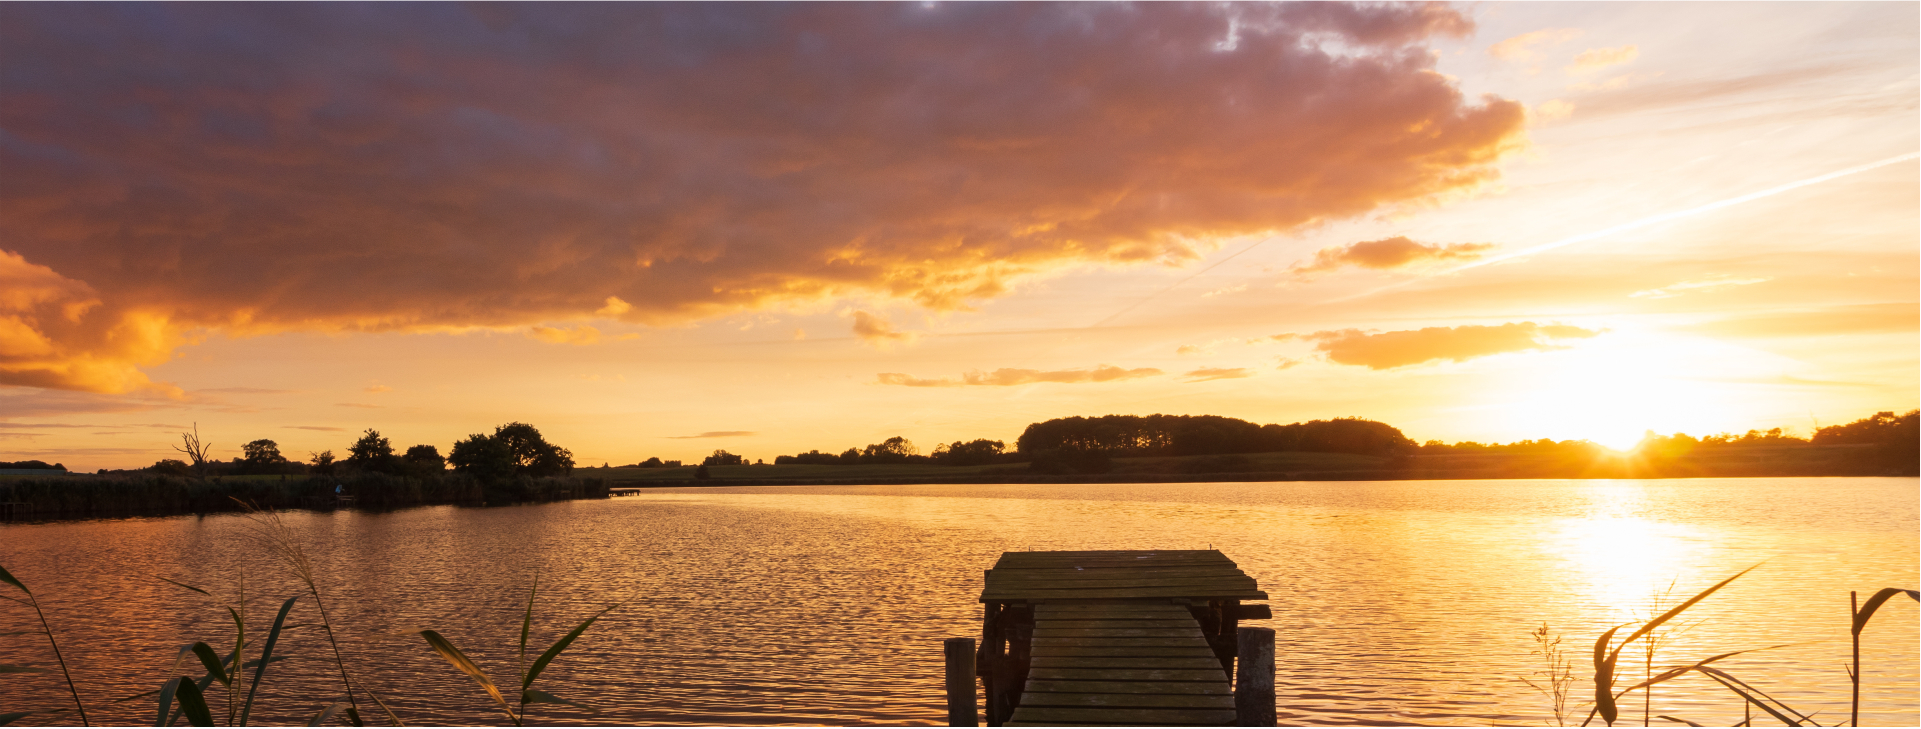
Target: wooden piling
x=1254 y=678
x=961 y=709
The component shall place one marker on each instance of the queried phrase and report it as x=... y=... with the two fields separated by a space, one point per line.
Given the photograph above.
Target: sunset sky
x=658 y=230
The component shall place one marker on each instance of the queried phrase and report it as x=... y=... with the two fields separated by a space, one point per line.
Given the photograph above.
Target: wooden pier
x=1119 y=638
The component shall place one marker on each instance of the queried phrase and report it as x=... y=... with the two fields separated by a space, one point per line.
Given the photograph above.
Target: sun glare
x=1621 y=385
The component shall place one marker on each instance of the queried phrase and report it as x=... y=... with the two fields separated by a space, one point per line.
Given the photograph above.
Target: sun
x=1616 y=388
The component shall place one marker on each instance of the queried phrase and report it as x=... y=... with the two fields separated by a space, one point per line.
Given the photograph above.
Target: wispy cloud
x=877 y=331
x=1598 y=58
x=1676 y=289
x=1285 y=362
x=379 y=389
x=1387 y=253
x=245 y=391
x=355 y=405
x=1388 y=350
x=1008 y=376
x=580 y=335
x=713 y=434
x=1528 y=46
x=323 y=428
x=1205 y=374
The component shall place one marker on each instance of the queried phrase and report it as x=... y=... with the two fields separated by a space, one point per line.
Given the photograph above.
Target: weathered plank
x=1207 y=662
x=1041 y=639
x=1115 y=553
x=1035 y=699
x=1153 y=606
x=1040 y=573
x=1120 y=581
x=1083 y=673
x=1058 y=623
x=1106 y=650
x=1041 y=716
x=1212 y=685
x=1225 y=593
x=1189 y=631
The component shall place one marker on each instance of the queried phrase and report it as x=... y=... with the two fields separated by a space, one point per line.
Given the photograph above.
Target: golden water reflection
x=1399 y=602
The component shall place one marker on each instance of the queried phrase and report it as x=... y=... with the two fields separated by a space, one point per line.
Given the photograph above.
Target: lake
x=1405 y=602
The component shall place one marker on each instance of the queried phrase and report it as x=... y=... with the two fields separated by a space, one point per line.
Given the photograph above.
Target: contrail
x=1645 y=222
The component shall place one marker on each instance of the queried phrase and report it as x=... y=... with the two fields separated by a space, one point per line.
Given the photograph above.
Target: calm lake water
x=1394 y=602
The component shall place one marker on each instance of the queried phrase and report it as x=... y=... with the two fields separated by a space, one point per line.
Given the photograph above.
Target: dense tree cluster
x=515 y=449
x=32 y=465
x=1120 y=436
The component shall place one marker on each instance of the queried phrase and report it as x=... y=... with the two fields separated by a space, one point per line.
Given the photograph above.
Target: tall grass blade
x=193 y=703
x=540 y=664
x=10 y=668
x=1716 y=674
x=179 y=584
x=12 y=717
x=1677 y=720
x=1604 y=679
x=47 y=630
x=1809 y=718
x=527 y=624
x=212 y=661
x=537 y=696
x=167 y=690
x=466 y=665
x=266 y=657
x=8 y=578
x=320 y=718
x=1874 y=603
x=1604 y=664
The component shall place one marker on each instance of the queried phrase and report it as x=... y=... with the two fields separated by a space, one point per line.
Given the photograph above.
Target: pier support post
x=1254 y=678
x=960 y=682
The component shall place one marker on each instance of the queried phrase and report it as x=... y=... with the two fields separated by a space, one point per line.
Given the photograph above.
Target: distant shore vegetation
x=515 y=463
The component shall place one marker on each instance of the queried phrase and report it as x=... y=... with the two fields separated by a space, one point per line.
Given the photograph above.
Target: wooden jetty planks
x=1112 y=637
x=1093 y=664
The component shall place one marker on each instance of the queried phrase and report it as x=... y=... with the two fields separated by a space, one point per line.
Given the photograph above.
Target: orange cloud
x=1526 y=46
x=1388 y=350
x=1205 y=374
x=1597 y=58
x=713 y=434
x=877 y=331
x=510 y=166
x=573 y=335
x=1387 y=253
x=1007 y=377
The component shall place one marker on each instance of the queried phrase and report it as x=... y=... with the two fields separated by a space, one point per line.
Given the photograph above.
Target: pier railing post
x=1254 y=678
x=960 y=682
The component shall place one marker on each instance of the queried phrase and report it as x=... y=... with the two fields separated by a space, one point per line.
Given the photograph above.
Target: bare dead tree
x=194 y=448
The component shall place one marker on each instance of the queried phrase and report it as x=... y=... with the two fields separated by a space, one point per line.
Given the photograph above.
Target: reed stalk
x=271 y=533
x=47 y=630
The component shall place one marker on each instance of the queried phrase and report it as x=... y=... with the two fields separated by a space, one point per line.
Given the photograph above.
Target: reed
x=46 y=630
x=517 y=712
x=1607 y=653
x=183 y=695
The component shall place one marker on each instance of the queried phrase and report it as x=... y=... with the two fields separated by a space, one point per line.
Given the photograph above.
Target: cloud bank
x=1388 y=350
x=243 y=169
x=1387 y=253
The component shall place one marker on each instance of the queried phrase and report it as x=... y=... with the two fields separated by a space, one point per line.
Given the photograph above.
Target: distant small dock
x=1116 y=638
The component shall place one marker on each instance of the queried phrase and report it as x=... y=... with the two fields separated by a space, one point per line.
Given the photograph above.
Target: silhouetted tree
x=514 y=449
x=424 y=460
x=322 y=462
x=721 y=458
x=373 y=452
x=191 y=445
x=262 y=453
x=701 y=473
x=170 y=467
x=978 y=452
x=892 y=450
